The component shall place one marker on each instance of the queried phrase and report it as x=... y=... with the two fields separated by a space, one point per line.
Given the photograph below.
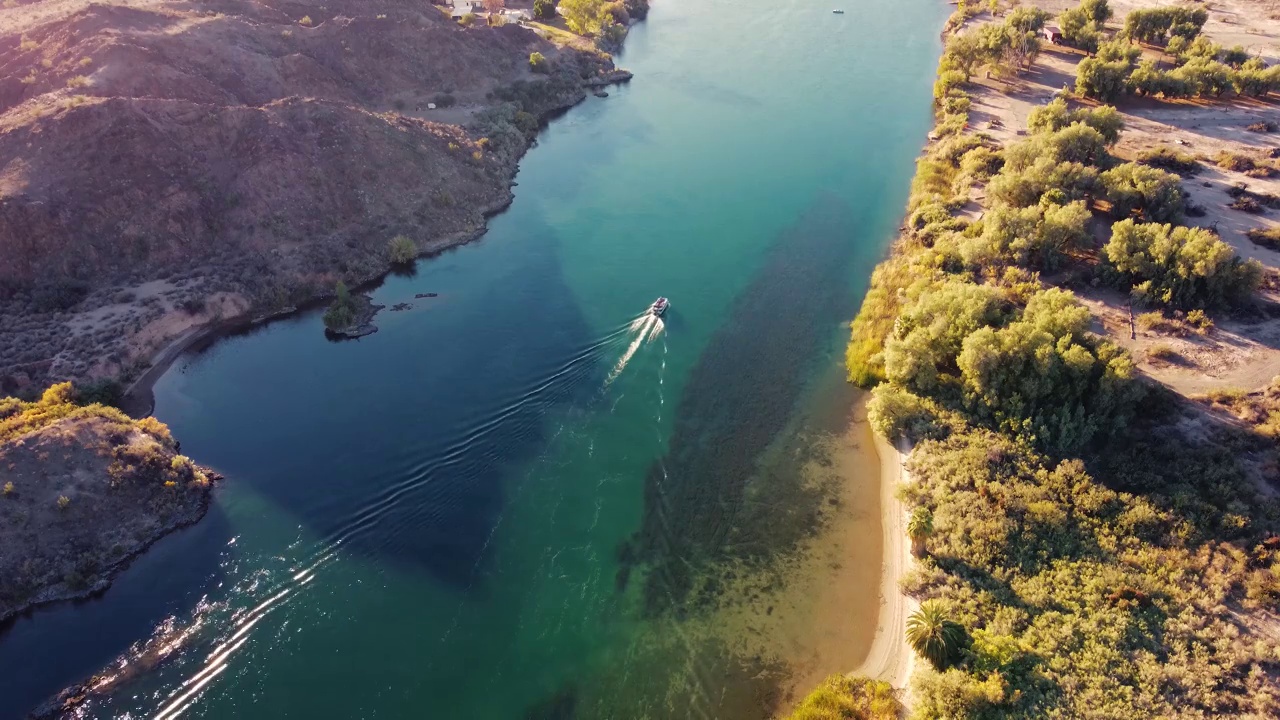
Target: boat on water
x=659 y=306
x=838 y=12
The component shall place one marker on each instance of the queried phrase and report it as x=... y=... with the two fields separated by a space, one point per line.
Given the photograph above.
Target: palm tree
x=933 y=636
x=919 y=528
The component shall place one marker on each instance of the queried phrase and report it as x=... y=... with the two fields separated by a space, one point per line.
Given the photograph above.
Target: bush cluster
x=1203 y=69
x=1052 y=586
x=341 y=313
x=841 y=697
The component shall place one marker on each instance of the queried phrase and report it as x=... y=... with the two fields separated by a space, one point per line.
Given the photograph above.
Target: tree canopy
x=1180 y=266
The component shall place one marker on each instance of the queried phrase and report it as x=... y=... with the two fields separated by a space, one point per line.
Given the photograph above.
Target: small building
x=1052 y=33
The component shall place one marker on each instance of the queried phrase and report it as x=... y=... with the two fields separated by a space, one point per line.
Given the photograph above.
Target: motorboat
x=838 y=11
x=659 y=306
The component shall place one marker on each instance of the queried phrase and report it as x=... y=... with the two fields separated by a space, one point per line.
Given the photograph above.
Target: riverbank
x=86 y=491
x=1016 y=459
x=890 y=658
x=233 y=242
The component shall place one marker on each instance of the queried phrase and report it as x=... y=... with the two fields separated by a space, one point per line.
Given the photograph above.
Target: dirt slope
x=164 y=163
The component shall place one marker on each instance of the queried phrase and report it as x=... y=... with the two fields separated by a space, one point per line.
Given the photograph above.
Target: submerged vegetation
x=1085 y=557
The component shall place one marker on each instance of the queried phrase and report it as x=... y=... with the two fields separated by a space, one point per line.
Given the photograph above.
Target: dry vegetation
x=207 y=162
x=85 y=489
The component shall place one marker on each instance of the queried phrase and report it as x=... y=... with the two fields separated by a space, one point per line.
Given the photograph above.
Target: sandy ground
x=1241 y=352
x=890 y=658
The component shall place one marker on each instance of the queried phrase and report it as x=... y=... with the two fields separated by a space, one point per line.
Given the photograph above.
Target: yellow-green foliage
x=1181 y=266
x=586 y=17
x=841 y=697
x=1084 y=601
x=18 y=418
x=401 y=250
x=874 y=322
x=1108 y=590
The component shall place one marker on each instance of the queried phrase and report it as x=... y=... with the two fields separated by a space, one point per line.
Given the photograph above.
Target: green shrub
x=545 y=9
x=1167 y=158
x=342 y=311
x=1153 y=194
x=64 y=502
x=8 y=488
x=841 y=697
x=897 y=414
x=1180 y=266
x=1266 y=237
x=1043 y=378
x=401 y=250
x=538 y=63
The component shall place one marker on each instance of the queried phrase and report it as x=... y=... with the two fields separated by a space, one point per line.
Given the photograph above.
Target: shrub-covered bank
x=1091 y=545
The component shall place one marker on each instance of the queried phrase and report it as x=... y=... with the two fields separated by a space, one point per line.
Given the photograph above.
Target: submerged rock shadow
x=696 y=509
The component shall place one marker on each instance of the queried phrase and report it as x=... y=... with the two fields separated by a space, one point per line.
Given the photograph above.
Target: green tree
x=342 y=311
x=1153 y=193
x=586 y=17
x=1105 y=81
x=964 y=54
x=934 y=636
x=1205 y=77
x=1043 y=378
x=545 y=9
x=1036 y=236
x=919 y=528
x=1078 y=143
x=1255 y=79
x=1180 y=266
x=538 y=63
x=1082 y=25
x=1056 y=116
x=921 y=353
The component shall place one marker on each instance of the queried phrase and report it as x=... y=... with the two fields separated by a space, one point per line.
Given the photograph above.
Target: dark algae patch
x=705 y=501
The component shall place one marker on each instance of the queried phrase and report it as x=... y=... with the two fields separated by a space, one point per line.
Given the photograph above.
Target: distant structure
x=1052 y=33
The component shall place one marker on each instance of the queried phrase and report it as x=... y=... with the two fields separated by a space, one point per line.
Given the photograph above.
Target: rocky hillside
x=166 y=163
x=82 y=490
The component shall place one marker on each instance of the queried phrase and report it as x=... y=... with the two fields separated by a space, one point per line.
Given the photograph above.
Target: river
x=521 y=498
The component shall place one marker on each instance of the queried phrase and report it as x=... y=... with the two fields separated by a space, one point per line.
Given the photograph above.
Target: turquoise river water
x=522 y=498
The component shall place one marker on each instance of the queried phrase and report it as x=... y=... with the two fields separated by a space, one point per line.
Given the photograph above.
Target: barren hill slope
x=166 y=163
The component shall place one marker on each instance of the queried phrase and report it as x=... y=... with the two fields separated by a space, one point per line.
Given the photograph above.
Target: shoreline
x=890 y=658
x=109 y=573
x=138 y=398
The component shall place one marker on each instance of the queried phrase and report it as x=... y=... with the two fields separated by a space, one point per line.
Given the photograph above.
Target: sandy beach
x=890 y=658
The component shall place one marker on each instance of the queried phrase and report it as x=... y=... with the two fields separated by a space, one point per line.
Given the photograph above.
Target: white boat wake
x=643 y=329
